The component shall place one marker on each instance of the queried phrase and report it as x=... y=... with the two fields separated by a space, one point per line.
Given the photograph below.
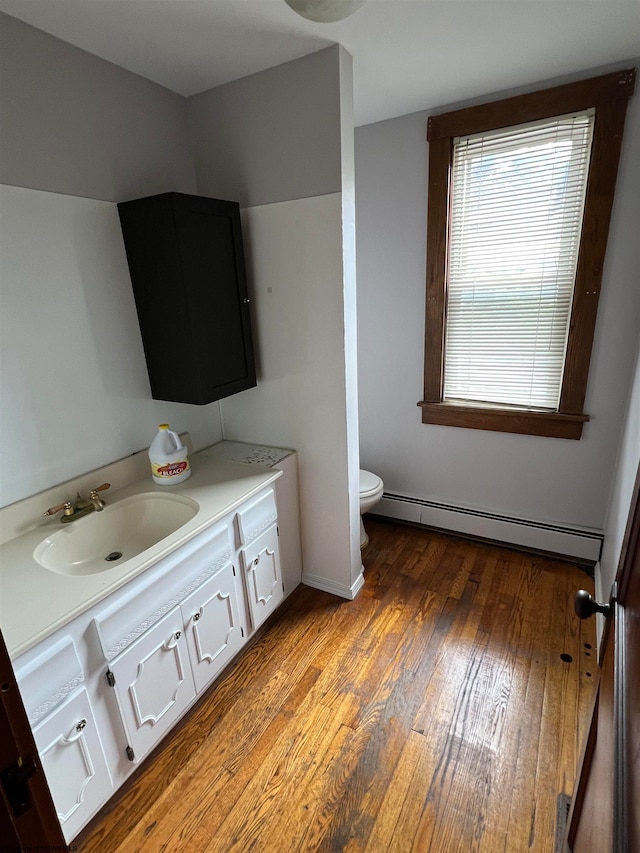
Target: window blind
x=517 y=201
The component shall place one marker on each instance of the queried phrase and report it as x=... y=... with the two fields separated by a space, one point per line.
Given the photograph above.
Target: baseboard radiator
x=579 y=543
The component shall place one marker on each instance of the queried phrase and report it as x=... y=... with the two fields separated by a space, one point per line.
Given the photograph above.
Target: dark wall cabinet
x=187 y=269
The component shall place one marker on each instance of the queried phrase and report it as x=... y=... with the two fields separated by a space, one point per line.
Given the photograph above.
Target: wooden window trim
x=609 y=95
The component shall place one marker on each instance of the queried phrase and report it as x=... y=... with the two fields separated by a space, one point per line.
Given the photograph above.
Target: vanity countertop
x=34 y=601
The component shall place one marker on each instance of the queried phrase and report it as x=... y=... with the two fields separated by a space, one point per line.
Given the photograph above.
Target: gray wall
x=530 y=477
x=73 y=123
x=272 y=136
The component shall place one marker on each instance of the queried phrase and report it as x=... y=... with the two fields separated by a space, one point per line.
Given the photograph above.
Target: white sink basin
x=103 y=540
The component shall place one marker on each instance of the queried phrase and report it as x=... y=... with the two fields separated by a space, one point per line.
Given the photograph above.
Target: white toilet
x=371 y=489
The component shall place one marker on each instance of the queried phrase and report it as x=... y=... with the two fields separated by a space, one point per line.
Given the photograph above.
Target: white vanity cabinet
x=71 y=753
x=261 y=563
x=153 y=684
x=153 y=646
x=103 y=690
x=53 y=688
x=214 y=632
x=257 y=532
x=286 y=490
x=157 y=677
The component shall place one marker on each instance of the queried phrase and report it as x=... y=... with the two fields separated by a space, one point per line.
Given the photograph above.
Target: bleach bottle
x=168 y=457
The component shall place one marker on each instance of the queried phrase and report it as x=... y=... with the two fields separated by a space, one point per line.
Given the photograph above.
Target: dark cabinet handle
x=586 y=606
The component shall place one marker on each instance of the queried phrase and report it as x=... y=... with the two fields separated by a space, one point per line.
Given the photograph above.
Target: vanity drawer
x=256 y=517
x=49 y=679
x=152 y=597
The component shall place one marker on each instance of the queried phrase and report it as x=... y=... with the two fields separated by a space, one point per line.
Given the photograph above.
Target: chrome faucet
x=82 y=506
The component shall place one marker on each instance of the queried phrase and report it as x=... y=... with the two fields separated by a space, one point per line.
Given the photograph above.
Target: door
x=71 y=754
x=212 y=624
x=153 y=683
x=28 y=819
x=605 y=812
x=263 y=576
x=187 y=269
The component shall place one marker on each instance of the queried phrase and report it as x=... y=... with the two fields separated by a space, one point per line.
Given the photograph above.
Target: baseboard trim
x=326 y=585
x=577 y=542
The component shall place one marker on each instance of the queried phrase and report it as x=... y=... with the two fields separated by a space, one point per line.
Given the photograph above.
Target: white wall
x=74 y=387
x=81 y=134
x=626 y=471
x=282 y=142
x=624 y=248
x=565 y=482
x=350 y=319
x=294 y=263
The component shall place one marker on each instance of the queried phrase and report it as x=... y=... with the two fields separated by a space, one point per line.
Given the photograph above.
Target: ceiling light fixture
x=325 y=11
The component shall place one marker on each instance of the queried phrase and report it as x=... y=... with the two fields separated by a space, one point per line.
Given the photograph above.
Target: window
x=520 y=197
x=517 y=198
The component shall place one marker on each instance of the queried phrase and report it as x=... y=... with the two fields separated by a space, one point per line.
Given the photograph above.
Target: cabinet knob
x=257 y=560
x=80 y=725
x=172 y=641
x=196 y=616
x=246 y=301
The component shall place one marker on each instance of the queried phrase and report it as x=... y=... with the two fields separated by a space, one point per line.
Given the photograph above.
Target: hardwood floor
x=432 y=714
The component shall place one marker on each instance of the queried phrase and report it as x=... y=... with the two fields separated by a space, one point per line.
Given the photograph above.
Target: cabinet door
x=263 y=575
x=187 y=269
x=73 y=760
x=153 y=683
x=212 y=623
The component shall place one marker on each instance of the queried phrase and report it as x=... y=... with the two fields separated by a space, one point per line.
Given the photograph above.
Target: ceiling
x=409 y=55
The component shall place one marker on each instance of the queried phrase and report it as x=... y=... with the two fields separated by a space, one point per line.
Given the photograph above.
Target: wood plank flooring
x=432 y=714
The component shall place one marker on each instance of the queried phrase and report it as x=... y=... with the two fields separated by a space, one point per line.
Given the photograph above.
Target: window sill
x=524 y=422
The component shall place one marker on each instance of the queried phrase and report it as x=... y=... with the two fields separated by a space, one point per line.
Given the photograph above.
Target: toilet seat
x=369 y=483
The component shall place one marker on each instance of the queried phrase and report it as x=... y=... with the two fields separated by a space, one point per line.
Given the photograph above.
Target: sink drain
x=114 y=555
